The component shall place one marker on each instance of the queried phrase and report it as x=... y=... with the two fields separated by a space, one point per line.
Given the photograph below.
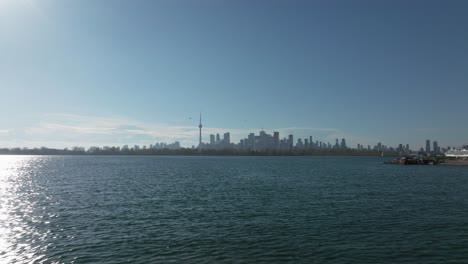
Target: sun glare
x=6 y=4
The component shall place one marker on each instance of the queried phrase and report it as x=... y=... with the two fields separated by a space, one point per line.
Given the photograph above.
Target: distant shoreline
x=432 y=161
x=457 y=162
x=193 y=152
x=201 y=155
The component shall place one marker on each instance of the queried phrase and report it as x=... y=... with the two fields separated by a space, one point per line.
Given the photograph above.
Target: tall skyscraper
x=200 y=142
x=227 y=139
x=212 y=139
x=435 y=147
x=428 y=146
x=251 y=140
x=343 y=143
x=276 y=139
x=291 y=142
x=262 y=138
x=299 y=144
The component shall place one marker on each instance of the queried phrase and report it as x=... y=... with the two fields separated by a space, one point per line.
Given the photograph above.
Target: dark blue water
x=230 y=210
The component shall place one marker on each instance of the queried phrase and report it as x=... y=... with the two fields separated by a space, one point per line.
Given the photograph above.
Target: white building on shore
x=458 y=153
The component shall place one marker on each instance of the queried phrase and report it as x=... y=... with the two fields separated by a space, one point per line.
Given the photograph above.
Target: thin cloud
x=70 y=130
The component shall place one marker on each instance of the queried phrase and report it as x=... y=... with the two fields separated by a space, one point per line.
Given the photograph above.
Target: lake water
x=86 y=209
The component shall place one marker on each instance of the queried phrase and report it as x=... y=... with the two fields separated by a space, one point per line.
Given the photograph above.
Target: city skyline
x=268 y=144
x=283 y=137
x=100 y=73
x=265 y=142
x=88 y=132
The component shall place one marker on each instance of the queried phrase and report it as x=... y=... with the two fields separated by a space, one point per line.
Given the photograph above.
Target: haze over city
x=96 y=73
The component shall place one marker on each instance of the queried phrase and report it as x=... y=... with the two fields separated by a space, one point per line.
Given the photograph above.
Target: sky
x=101 y=72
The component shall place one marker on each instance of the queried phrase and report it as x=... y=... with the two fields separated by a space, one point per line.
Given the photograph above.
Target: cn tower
x=200 y=127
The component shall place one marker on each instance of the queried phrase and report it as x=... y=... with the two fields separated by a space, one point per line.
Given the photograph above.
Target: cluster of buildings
x=172 y=146
x=436 y=150
x=264 y=141
x=126 y=148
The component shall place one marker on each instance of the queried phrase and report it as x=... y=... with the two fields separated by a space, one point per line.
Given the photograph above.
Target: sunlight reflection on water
x=17 y=210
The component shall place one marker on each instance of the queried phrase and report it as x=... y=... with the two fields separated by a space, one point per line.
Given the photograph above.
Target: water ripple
x=230 y=210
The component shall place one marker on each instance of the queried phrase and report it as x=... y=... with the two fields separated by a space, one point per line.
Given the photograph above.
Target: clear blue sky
x=116 y=72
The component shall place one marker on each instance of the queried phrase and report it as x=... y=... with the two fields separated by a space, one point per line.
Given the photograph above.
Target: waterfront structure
x=457 y=153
